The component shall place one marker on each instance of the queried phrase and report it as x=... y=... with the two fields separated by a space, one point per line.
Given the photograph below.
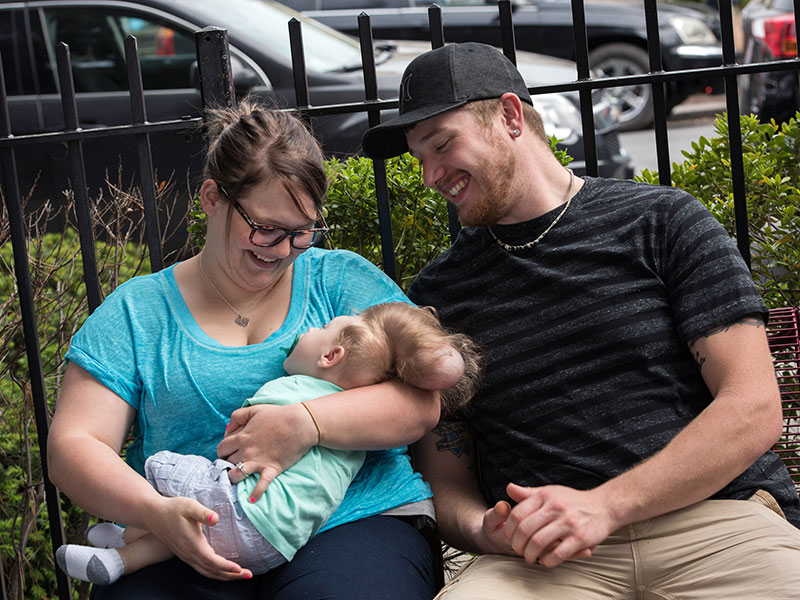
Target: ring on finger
x=240 y=466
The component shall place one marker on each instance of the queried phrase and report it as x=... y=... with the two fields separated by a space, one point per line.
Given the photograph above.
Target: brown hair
x=251 y=143
x=398 y=339
x=486 y=110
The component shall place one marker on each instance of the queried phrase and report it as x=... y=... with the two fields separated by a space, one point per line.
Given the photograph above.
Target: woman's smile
x=263 y=261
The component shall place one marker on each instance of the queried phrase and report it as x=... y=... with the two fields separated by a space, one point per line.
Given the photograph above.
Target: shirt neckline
x=280 y=336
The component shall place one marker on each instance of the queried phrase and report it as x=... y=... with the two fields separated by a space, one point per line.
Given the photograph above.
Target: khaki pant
x=713 y=550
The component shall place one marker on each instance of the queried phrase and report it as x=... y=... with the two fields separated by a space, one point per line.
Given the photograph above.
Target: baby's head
x=388 y=340
x=346 y=351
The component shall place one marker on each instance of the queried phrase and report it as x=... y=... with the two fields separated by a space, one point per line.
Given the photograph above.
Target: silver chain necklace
x=240 y=319
x=531 y=244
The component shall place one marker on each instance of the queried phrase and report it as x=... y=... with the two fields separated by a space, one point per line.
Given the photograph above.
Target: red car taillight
x=780 y=35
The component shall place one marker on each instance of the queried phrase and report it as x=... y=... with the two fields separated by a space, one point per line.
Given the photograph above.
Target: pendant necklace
x=240 y=319
x=510 y=248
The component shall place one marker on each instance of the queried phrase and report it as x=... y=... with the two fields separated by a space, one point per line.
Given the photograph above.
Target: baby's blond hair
x=397 y=339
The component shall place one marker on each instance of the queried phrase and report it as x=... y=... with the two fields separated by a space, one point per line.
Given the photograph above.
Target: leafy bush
x=771 y=177
x=418 y=215
x=59 y=294
x=61 y=307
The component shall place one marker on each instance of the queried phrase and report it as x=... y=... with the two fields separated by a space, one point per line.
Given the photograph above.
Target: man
x=629 y=401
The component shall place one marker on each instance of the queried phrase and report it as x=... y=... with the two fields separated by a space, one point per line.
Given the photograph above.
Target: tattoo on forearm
x=750 y=320
x=452 y=439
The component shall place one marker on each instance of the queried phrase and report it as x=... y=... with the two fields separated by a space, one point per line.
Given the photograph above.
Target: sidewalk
x=699 y=105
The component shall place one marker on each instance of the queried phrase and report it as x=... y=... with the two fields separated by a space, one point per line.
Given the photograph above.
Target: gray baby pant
x=234 y=536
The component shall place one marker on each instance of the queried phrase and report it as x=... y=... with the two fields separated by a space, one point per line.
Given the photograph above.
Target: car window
x=265 y=23
x=364 y=5
x=16 y=63
x=302 y=5
x=18 y=39
x=427 y=3
x=43 y=59
x=166 y=54
x=96 y=39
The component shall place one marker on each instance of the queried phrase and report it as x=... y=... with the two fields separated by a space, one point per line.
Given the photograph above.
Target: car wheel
x=635 y=102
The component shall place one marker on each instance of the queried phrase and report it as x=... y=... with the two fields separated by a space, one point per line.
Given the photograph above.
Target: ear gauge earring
x=516 y=133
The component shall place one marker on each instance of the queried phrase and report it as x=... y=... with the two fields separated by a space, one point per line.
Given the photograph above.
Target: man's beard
x=495 y=181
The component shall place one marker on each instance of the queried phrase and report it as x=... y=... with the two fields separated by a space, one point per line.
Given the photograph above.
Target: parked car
x=617 y=38
x=770 y=34
x=261 y=65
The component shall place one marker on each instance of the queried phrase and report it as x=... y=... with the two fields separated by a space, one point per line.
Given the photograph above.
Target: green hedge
x=56 y=270
x=771 y=177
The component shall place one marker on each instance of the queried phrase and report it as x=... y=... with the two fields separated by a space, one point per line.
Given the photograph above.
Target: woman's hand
x=494 y=522
x=267 y=439
x=178 y=522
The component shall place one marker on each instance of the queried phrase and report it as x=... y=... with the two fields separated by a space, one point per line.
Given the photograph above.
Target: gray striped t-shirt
x=585 y=335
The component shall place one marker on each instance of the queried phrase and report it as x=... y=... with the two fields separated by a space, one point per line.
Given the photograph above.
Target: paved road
x=689 y=121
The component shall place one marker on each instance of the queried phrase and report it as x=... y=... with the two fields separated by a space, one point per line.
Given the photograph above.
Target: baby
x=261 y=532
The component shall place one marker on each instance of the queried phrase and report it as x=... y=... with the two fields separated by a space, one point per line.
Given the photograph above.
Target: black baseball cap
x=441 y=80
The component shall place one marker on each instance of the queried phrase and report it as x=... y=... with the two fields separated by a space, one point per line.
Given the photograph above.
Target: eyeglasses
x=270 y=235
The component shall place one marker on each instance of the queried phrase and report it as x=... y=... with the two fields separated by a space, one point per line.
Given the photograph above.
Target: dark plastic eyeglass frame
x=290 y=233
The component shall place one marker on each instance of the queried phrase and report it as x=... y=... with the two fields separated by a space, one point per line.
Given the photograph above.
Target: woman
x=176 y=352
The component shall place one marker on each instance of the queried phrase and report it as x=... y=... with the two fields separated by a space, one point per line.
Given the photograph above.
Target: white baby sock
x=96 y=565
x=105 y=535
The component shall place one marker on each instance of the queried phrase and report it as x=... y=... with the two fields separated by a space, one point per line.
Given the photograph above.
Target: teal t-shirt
x=299 y=501
x=144 y=345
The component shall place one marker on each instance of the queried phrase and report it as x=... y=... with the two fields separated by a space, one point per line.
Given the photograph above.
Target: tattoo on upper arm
x=452 y=438
x=750 y=320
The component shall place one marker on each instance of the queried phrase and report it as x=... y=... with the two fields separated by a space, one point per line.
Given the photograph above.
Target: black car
x=261 y=64
x=615 y=29
x=770 y=34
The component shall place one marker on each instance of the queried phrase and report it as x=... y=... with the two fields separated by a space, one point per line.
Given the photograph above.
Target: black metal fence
x=216 y=88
